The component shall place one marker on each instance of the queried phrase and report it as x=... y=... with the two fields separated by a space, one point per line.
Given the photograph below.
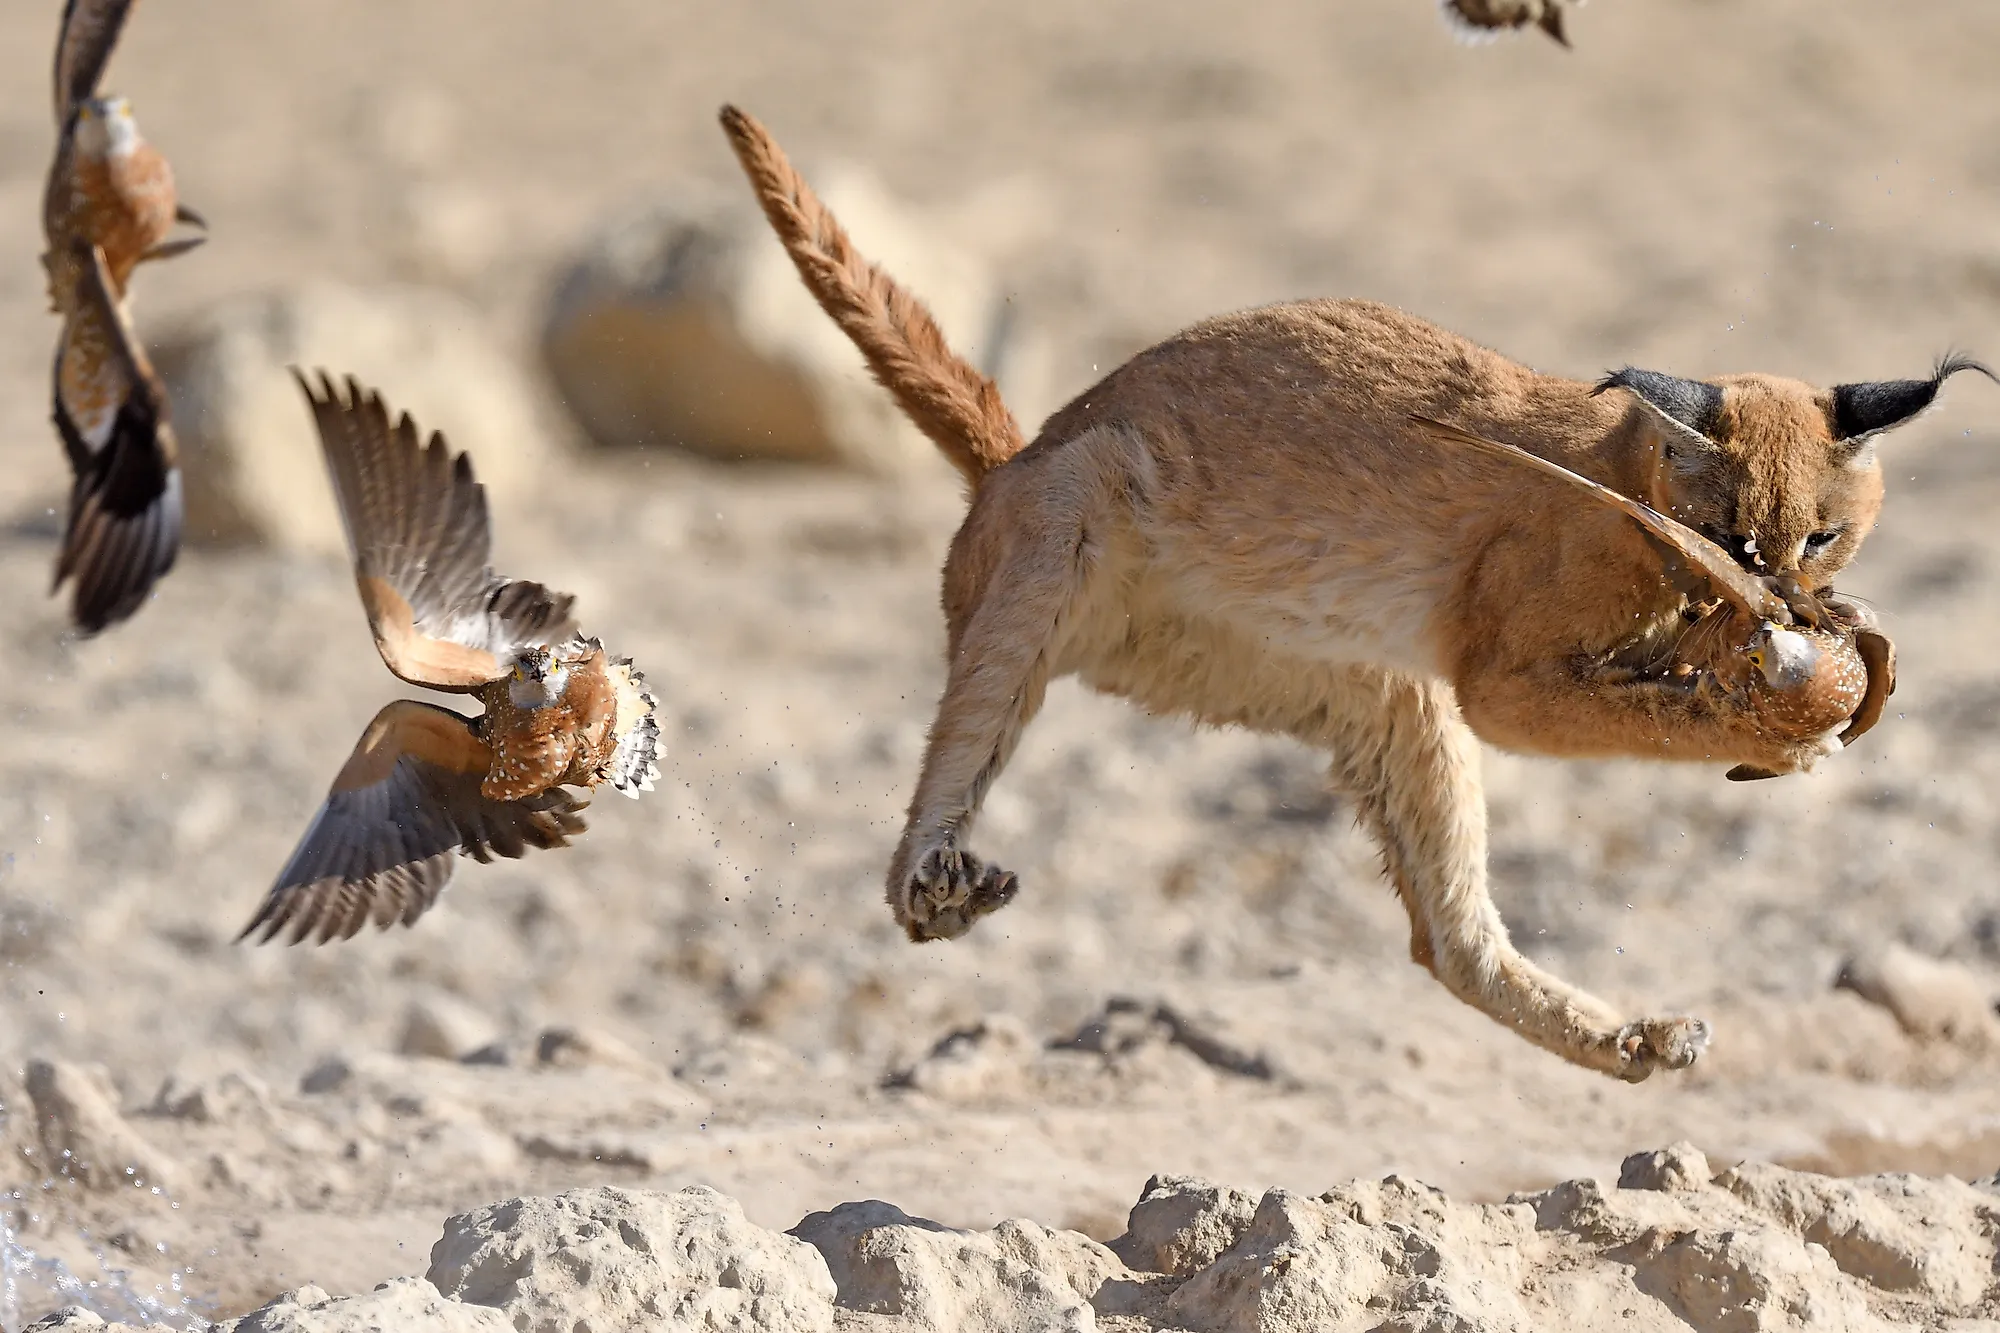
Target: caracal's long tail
x=949 y=400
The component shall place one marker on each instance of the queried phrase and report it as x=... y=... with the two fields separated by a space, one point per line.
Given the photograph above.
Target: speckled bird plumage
x=106 y=184
x=108 y=205
x=427 y=784
x=110 y=411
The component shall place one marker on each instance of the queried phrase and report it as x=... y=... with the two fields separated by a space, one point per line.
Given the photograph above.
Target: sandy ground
x=1805 y=188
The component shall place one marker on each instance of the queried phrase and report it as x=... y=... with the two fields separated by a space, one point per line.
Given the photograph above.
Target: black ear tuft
x=1689 y=402
x=1861 y=410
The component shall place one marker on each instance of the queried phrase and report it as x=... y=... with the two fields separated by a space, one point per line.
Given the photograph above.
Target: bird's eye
x=1819 y=541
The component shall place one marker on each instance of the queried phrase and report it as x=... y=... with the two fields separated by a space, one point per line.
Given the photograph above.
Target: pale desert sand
x=1806 y=188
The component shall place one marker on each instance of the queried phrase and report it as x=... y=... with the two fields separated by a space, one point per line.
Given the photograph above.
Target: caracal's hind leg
x=1010 y=586
x=1409 y=762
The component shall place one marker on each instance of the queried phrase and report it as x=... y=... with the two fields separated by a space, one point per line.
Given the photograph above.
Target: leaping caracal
x=1244 y=525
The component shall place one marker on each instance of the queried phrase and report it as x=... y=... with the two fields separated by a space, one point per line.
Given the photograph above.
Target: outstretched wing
x=416 y=527
x=83 y=48
x=1708 y=568
x=111 y=412
x=380 y=849
x=634 y=764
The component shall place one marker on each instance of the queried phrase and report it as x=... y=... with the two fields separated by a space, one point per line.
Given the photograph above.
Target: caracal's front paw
x=1658 y=1043
x=949 y=890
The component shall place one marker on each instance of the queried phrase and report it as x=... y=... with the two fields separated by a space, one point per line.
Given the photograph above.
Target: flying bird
x=106 y=184
x=1482 y=20
x=427 y=783
x=108 y=205
x=124 y=523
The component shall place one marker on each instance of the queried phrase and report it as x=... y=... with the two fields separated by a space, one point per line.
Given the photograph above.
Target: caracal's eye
x=1819 y=541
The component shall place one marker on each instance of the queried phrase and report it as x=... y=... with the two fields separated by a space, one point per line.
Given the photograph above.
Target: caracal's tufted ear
x=1684 y=410
x=1860 y=412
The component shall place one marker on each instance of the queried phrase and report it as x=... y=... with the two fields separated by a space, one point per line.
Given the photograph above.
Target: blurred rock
x=582 y=1048
x=443 y=232
x=444 y=1027
x=1931 y=999
x=252 y=460
x=233 y=1096
x=1678 y=1166
x=330 y=1073
x=1182 y=1224
x=993 y=1057
x=1016 y=1277
x=73 y=1317
x=608 y=1258
x=1126 y=1024
x=406 y=1303
x=83 y=1136
x=685 y=324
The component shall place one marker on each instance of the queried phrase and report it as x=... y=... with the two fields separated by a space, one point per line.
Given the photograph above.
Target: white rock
x=407 y=1303
x=1678 y=1166
x=685 y=324
x=586 y=1048
x=1930 y=998
x=606 y=1258
x=251 y=458
x=444 y=1027
x=1181 y=1225
x=72 y=1318
x=1018 y=1278
x=1895 y=1232
x=83 y=1136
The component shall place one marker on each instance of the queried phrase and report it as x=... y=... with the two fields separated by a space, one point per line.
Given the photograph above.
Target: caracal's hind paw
x=951 y=889
x=1659 y=1043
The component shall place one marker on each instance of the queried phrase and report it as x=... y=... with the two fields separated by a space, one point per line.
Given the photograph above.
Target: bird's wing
x=110 y=410
x=380 y=848
x=417 y=530
x=1706 y=567
x=83 y=48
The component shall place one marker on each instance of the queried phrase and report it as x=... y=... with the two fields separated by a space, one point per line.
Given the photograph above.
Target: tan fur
x=1245 y=526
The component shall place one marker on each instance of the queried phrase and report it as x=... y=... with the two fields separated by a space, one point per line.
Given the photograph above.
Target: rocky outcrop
x=1753 y=1249
x=1181 y=1225
x=1017 y=1278
x=406 y=1303
x=84 y=1138
x=610 y=1258
x=1931 y=999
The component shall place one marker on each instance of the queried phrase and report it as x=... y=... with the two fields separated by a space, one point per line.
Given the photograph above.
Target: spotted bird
x=106 y=184
x=109 y=204
x=427 y=783
x=110 y=411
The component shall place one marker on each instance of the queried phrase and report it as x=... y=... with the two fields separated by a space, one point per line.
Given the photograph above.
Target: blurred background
x=521 y=222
